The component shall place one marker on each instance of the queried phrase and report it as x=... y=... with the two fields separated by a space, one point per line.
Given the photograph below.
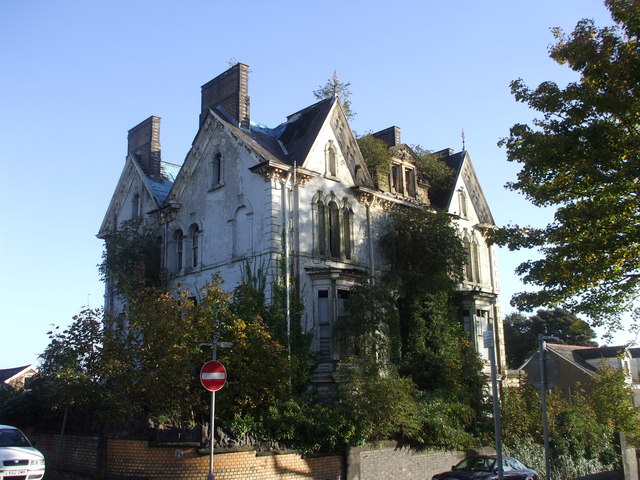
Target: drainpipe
x=287 y=216
x=371 y=265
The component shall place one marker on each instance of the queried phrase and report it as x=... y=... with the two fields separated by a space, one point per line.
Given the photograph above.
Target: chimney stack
x=144 y=145
x=229 y=94
x=390 y=136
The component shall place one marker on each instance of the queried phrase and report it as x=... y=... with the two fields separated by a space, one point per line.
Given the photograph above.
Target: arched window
x=216 y=170
x=322 y=228
x=194 y=234
x=178 y=239
x=334 y=230
x=346 y=227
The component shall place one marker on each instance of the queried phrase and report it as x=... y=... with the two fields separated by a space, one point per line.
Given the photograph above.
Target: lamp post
x=543 y=395
x=489 y=343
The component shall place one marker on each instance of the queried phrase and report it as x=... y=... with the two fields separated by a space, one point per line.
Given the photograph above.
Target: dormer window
x=410 y=181
x=396 y=178
x=403 y=179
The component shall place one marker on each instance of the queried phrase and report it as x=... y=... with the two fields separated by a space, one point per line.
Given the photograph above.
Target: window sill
x=216 y=187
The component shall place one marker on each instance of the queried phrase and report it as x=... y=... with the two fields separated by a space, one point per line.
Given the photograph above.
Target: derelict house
x=245 y=190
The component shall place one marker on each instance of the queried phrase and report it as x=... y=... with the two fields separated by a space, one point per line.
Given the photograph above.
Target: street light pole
x=489 y=342
x=543 y=397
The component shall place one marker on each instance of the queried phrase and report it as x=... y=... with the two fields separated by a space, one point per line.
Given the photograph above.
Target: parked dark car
x=485 y=467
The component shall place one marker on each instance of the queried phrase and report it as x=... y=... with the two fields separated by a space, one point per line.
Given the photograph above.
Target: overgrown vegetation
x=581 y=430
x=377 y=157
x=335 y=88
x=435 y=172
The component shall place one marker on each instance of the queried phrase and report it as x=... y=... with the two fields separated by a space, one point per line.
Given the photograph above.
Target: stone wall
x=386 y=460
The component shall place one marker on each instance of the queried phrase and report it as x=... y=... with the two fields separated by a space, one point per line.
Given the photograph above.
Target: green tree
x=583 y=157
x=426 y=261
x=521 y=332
x=611 y=397
x=336 y=88
x=131 y=256
x=377 y=157
x=435 y=172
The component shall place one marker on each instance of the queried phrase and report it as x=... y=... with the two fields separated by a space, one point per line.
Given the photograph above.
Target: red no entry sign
x=213 y=375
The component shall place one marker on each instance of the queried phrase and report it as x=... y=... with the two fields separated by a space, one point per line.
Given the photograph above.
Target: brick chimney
x=229 y=94
x=144 y=145
x=390 y=136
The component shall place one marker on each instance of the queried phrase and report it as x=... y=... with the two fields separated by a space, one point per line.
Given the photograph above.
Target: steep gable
x=465 y=185
x=151 y=193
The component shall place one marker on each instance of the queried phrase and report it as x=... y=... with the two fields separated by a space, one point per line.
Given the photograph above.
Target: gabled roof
x=578 y=355
x=291 y=141
x=460 y=163
x=8 y=374
x=572 y=354
x=157 y=189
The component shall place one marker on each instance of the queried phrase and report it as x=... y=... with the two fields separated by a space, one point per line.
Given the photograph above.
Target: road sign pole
x=213 y=377
x=211 y=475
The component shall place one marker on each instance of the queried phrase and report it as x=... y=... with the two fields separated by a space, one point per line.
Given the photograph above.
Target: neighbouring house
x=17 y=378
x=245 y=191
x=573 y=366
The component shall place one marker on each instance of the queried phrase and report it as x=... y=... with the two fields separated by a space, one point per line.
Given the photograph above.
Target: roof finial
x=462 y=135
x=335 y=84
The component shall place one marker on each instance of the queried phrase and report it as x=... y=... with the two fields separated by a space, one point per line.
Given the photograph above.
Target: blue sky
x=77 y=75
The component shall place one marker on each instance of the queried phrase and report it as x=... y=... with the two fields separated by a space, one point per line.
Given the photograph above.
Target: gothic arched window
x=334 y=230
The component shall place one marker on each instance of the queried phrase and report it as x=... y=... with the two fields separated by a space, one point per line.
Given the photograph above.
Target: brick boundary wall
x=91 y=457
x=137 y=460
x=76 y=453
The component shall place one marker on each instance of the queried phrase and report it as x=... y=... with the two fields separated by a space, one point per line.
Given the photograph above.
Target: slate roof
x=290 y=141
x=160 y=190
x=8 y=373
x=573 y=354
x=442 y=200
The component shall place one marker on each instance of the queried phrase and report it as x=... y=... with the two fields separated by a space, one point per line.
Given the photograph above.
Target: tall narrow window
x=468 y=263
x=135 y=206
x=462 y=200
x=178 y=238
x=334 y=230
x=195 y=245
x=396 y=179
x=476 y=262
x=346 y=222
x=332 y=167
x=216 y=170
x=410 y=181
x=322 y=230
x=324 y=326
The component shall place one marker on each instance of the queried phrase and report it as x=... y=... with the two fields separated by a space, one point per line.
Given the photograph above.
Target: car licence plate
x=9 y=473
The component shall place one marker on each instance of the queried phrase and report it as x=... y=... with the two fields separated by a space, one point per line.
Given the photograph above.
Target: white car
x=18 y=459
